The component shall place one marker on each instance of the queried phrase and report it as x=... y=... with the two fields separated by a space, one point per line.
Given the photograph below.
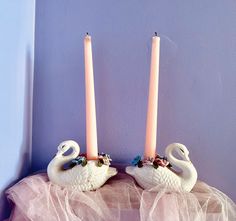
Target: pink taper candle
x=91 y=125
x=151 y=124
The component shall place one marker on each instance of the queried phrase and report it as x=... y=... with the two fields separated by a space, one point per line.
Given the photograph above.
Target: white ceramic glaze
x=89 y=177
x=148 y=177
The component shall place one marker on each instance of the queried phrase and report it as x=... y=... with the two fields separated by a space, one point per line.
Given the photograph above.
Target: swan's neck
x=60 y=160
x=188 y=171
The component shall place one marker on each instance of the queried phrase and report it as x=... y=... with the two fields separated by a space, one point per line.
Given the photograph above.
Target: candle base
x=153 y=173
x=81 y=174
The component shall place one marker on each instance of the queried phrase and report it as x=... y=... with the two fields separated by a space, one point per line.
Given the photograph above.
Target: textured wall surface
x=16 y=77
x=197 y=93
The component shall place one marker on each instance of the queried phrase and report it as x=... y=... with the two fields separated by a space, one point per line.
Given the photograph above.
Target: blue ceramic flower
x=136 y=160
x=79 y=160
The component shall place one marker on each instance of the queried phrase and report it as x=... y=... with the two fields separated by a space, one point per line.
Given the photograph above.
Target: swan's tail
x=130 y=170
x=112 y=171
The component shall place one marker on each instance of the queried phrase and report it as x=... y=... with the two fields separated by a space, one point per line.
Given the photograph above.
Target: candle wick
x=87 y=33
x=155 y=33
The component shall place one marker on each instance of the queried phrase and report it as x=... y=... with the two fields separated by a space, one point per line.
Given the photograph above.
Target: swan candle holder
x=150 y=173
x=84 y=175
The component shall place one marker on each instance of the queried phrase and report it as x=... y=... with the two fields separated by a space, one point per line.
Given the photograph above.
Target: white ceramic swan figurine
x=149 y=177
x=89 y=177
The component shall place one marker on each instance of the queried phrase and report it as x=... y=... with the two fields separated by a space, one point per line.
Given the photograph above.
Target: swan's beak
x=187 y=158
x=59 y=153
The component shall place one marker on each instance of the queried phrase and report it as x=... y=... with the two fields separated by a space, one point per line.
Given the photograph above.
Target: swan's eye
x=63 y=146
x=181 y=150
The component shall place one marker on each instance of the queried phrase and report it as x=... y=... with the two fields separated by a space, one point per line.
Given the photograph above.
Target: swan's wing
x=76 y=175
x=144 y=176
x=100 y=175
x=82 y=174
x=148 y=177
x=89 y=173
x=165 y=177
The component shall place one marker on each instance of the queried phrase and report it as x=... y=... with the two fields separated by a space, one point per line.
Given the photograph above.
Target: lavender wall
x=16 y=77
x=197 y=101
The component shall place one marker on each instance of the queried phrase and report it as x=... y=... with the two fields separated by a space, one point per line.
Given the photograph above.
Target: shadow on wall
x=24 y=160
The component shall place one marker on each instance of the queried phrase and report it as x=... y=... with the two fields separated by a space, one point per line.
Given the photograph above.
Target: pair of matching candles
x=151 y=124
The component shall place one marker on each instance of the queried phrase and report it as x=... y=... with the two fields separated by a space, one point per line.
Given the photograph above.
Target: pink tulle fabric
x=37 y=199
